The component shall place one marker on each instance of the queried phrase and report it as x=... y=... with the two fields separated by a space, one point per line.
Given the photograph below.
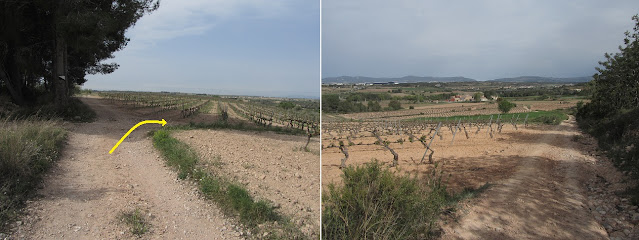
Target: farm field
x=87 y=189
x=544 y=181
x=459 y=109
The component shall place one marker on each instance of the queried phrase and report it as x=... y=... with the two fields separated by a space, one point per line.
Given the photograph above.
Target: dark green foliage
x=89 y=32
x=330 y=102
x=395 y=105
x=489 y=93
x=612 y=115
x=505 y=106
x=616 y=85
x=286 y=105
x=477 y=96
x=374 y=106
x=376 y=204
x=76 y=111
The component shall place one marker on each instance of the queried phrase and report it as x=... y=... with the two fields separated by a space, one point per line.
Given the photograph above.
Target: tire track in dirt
x=543 y=199
x=87 y=188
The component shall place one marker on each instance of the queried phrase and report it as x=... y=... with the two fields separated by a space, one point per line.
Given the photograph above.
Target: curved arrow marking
x=163 y=122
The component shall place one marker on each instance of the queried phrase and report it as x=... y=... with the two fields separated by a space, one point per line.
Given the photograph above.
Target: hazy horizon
x=221 y=47
x=481 y=40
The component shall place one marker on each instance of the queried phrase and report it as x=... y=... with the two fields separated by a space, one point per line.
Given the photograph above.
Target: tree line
x=612 y=115
x=47 y=47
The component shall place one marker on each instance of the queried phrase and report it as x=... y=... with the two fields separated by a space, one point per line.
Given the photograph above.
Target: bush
x=618 y=135
x=76 y=111
x=286 y=105
x=551 y=120
x=27 y=150
x=395 y=105
x=376 y=204
x=505 y=106
x=374 y=106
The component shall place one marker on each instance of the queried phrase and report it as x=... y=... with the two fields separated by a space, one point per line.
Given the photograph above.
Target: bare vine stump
x=395 y=156
x=345 y=152
x=308 y=140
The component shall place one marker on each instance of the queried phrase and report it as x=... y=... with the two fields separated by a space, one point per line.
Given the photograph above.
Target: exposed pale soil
x=271 y=165
x=545 y=183
x=87 y=188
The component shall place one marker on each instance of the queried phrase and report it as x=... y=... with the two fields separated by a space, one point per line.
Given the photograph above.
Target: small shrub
x=550 y=120
x=76 y=111
x=394 y=105
x=136 y=221
x=505 y=106
x=374 y=203
x=27 y=150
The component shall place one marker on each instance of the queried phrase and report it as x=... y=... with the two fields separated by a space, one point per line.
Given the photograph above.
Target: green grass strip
x=233 y=198
x=545 y=117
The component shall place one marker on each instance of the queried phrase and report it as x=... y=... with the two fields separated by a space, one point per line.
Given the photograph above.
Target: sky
x=482 y=40
x=228 y=47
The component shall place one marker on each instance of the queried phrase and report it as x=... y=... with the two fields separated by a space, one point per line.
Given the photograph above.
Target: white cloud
x=177 y=18
x=479 y=39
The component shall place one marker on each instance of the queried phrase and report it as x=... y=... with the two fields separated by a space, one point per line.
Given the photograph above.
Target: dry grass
x=27 y=149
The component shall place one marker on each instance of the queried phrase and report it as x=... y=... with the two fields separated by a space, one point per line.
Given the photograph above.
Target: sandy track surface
x=87 y=189
x=544 y=199
x=538 y=178
x=270 y=165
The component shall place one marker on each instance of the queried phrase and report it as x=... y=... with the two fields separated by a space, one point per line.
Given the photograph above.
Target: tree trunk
x=16 y=93
x=59 y=73
x=9 y=71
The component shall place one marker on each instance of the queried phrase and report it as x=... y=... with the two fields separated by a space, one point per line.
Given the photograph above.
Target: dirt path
x=87 y=189
x=541 y=182
x=542 y=200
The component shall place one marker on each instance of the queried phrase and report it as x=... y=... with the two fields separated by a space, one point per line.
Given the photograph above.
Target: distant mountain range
x=543 y=79
x=415 y=79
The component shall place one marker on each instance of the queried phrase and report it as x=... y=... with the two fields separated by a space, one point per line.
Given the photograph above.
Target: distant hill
x=414 y=79
x=406 y=79
x=543 y=79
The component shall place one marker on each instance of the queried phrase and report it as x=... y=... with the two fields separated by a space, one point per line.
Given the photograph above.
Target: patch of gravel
x=606 y=201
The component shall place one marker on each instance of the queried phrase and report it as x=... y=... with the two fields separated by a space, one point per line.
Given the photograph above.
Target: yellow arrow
x=163 y=122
